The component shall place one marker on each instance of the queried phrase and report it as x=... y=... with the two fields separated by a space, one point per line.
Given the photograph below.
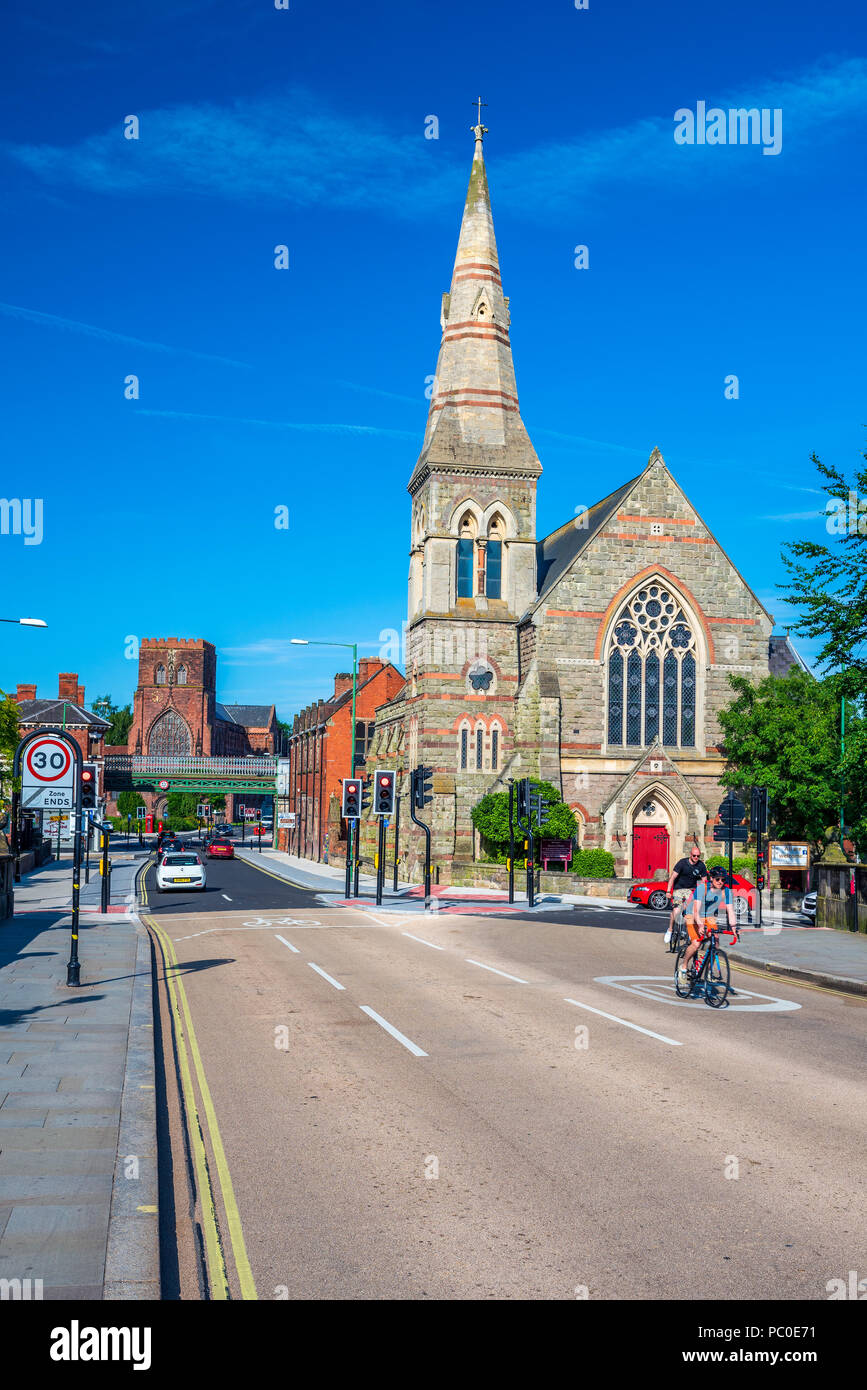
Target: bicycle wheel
x=717 y=979
x=684 y=991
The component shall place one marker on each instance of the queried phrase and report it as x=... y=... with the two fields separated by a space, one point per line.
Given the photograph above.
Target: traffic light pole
x=426 y=828
x=396 y=837
x=531 y=870
x=380 y=859
x=87 y=851
x=511 y=840
x=103 y=887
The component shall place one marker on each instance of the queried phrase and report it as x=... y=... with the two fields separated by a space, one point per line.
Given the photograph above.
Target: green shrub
x=741 y=864
x=593 y=863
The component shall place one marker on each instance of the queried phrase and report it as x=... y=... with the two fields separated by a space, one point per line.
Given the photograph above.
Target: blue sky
x=261 y=388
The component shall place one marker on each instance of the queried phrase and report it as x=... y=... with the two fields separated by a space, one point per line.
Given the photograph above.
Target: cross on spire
x=479 y=130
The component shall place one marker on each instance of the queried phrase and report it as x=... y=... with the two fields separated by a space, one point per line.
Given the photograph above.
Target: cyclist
x=682 y=882
x=703 y=914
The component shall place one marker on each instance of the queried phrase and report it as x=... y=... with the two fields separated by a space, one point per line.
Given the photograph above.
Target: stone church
x=595 y=658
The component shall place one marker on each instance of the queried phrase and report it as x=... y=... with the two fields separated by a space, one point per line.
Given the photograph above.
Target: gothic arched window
x=182 y=675
x=467 y=532
x=495 y=747
x=465 y=746
x=494 y=558
x=169 y=736
x=652 y=653
x=160 y=676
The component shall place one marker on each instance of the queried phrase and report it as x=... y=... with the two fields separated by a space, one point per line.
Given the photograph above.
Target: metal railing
x=255 y=766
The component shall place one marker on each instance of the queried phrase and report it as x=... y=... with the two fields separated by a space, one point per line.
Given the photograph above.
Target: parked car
x=184 y=870
x=653 y=895
x=221 y=849
x=808 y=907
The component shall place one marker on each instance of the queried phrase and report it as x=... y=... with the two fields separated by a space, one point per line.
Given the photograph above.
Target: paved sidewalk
x=78 y=1162
x=835 y=959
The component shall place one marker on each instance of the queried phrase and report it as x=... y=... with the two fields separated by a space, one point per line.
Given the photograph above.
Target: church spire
x=474 y=422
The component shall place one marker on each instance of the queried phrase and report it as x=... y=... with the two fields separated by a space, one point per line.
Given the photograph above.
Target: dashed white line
x=614 y=1019
x=288 y=943
x=422 y=940
x=325 y=976
x=494 y=971
x=389 y=1028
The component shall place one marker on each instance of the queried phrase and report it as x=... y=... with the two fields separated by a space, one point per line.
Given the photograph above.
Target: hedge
x=593 y=863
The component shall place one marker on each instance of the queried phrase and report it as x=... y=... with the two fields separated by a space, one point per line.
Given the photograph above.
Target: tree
x=128 y=802
x=490 y=816
x=828 y=583
x=784 y=733
x=10 y=736
x=120 y=720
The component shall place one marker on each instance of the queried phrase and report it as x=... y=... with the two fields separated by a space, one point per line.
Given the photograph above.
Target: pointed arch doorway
x=651 y=839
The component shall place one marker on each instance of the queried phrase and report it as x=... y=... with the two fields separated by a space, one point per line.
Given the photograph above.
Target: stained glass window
x=615 y=698
x=651 y=698
x=633 y=699
x=465 y=738
x=687 y=702
x=495 y=748
x=478 y=750
x=669 y=701
x=169 y=736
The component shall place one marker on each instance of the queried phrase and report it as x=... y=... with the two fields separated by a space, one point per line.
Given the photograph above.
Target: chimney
x=67 y=686
x=79 y=699
x=342 y=682
x=25 y=692
x=368 y=666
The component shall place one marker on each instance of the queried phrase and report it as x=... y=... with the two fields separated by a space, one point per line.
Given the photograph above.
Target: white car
x=180 y=869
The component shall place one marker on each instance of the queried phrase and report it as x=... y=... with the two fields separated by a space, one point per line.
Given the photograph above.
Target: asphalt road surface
x=361 y=1103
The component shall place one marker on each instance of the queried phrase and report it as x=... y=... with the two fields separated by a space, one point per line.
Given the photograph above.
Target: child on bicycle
x=702 y=914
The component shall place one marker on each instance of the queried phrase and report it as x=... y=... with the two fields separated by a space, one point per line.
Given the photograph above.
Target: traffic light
x=383 y=798
x=366 y=792
x=88 y=787
x=422 y=787
x=351 y=798
x=523 y=802
x=540 y=808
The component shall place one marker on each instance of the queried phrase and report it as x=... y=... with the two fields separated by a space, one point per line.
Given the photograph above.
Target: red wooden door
x=649 y=850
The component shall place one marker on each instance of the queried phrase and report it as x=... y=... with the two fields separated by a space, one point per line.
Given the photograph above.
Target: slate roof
x=249 y=716
x=51 y=712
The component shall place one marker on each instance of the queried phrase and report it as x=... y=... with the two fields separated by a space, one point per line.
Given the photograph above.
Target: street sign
x=163 y=785
x=737 y=834
x=285 y=820
x=47 y=775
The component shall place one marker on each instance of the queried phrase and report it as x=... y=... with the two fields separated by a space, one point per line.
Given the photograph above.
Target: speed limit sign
x=48 y=775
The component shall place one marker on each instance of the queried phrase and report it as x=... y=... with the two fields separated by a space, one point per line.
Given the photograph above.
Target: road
x=446 y=1106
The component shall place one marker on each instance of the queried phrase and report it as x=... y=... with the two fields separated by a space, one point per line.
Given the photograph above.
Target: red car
x=221 y=849
x=653 y=895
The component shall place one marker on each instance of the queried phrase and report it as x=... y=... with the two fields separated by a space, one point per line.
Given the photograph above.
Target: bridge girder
x=203 y=783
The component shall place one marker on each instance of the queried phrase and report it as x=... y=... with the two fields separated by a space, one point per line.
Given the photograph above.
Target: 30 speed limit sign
x=48 y=775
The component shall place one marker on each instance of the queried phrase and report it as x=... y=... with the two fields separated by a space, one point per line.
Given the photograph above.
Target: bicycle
x=679 y=935
x=708 y=971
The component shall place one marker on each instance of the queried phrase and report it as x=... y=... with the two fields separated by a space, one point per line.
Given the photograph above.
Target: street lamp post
x=353 y=647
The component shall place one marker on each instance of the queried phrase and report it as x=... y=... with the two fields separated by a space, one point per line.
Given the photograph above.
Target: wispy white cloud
x=793 y=516
x=290 y=147
x=90 y=330
x=583 y=442
x=307 y=427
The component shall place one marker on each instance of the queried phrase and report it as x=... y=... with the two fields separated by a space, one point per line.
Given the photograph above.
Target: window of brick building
x=653 y=636
x=182 y=675
x=160 y=675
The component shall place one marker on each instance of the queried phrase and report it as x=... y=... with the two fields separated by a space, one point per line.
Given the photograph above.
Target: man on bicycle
x=703 y=915
x=684 y=877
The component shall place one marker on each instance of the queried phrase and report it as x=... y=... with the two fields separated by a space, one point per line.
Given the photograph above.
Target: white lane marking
x=329 y=978
x=614 y=1019
x=226 y=896
x=389 y=1028
x=422 y=940
x=494 y=971
x=288 y=943
x=281 y=922
x=660 y=988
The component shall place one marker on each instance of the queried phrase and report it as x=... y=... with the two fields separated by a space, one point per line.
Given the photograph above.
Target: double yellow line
x=187 y=1047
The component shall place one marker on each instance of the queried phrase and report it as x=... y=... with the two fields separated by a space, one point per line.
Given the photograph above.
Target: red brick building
x=68 y=710
x=319 y=754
